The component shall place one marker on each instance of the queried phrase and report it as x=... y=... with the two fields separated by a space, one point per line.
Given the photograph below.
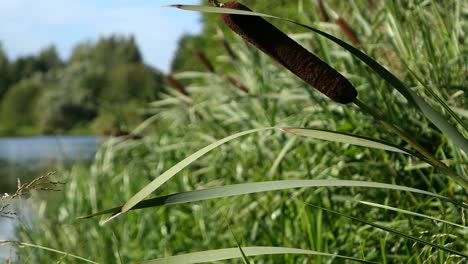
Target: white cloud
x=29 y=25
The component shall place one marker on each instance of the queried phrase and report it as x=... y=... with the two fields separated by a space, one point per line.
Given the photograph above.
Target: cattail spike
x=290 y=54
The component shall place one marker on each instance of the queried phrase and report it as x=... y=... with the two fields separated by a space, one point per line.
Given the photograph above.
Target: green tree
x=4 y=82
x=131 y=81
x=67 y=102
x=61 y=110
x=108 y=51
x=48 y=59
x=18 y=105
x=184 y=58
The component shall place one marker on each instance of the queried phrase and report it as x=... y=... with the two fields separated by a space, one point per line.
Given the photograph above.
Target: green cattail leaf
x=257 y=187
x=321 y=134
x=345 y=138
x=167 y=175
x=414 y=100
x=411 y=213
x=395 y=232
x=231 y=253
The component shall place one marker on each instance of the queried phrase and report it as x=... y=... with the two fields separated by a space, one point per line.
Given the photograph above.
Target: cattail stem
x=426 y=155
x=266 y=37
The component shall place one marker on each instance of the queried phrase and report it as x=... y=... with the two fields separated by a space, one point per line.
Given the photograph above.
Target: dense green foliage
x=96 y=89
x=396 y=33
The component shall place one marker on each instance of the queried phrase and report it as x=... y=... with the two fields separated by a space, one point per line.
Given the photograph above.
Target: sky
x=27 y=26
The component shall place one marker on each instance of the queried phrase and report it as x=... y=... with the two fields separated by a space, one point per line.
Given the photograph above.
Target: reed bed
x=224 y=139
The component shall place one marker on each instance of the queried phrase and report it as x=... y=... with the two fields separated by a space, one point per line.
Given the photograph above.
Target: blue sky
x=26 y=26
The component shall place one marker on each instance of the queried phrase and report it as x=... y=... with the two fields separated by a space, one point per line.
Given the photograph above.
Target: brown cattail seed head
x=290 y=54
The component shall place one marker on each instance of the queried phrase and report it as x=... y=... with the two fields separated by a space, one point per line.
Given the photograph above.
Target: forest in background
x=98 y=88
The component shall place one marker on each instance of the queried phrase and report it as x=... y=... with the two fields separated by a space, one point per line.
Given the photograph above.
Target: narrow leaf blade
x=231 y=253
x=258 y=187
x=395 y=232
x=167 y=175
x=345 y=138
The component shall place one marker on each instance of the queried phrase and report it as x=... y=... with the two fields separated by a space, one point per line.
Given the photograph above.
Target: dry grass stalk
x=349 y=33
x=228 y=50
x=322 y=12
x=290 y=54
x=237 y=84
x=42 y=183
x=176 y=84
x=202 y=58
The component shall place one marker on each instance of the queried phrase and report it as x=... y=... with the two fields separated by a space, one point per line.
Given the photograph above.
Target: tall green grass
x=394 y=35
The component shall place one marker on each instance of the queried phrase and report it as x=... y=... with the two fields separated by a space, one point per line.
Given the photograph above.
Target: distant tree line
x=102 y=86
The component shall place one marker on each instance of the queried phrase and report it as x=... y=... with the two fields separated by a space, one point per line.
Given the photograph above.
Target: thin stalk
x=426 y=155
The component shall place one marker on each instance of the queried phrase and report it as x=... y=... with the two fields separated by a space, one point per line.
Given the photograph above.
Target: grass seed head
x=290 y=54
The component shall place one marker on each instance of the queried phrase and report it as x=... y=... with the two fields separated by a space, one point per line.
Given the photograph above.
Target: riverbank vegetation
x=299 y=191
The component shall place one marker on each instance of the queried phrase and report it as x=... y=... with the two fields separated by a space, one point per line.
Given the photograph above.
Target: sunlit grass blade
x=345 y=138
x=257 y=187
x=414 y=100
x=24 y=244
x=231 y=253
x=280 y=156
x=411 y=213
x=320 y=134
x=395 y=232
x=167 y=175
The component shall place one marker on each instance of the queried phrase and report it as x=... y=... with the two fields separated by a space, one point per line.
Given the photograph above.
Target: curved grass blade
x=320 y=134
x=345 y=138
x=23 y=244
x=258 y=187
x=289 y=144
x=167 y=175
x=395 y=232
x=411 y=213
x=231 y=253
x=414 y=100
